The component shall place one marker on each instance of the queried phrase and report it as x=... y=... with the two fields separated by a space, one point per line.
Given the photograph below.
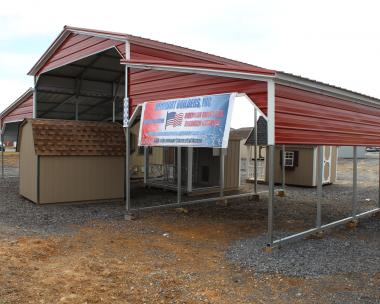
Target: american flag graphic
x=173 y=119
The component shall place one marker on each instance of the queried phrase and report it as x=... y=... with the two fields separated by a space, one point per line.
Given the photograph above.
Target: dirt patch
x=89 y=254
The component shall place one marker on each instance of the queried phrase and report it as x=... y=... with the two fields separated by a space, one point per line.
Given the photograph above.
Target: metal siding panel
x=73 y=39
x=23 y=110
x=179 y=89
x=142 y=52
x=77 y=50
x=304 y=117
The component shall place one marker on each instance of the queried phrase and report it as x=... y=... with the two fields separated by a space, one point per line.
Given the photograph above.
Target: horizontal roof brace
x=202 y=71
x=54 y=90
x=96 y=68
x=84 y=79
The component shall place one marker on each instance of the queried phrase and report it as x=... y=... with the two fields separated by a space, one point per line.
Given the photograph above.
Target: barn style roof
x=73 y=138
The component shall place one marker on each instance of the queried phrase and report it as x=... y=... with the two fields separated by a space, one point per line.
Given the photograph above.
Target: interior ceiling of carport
x=94 y=82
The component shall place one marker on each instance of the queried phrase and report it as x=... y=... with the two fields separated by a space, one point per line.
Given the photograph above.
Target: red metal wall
x=153 y=85
x=77 y=46
x=23 y=110
x=304 y=117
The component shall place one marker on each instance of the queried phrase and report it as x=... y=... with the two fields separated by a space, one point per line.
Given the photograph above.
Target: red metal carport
x=11 y=118
x=85 y=74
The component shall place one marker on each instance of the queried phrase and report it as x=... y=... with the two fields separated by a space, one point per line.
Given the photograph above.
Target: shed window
x=289 y=159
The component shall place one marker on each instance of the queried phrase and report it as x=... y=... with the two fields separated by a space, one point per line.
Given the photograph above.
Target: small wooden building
x=71 y=161
x=301 y=161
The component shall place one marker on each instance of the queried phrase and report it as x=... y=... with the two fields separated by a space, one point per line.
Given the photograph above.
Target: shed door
x=327 y=152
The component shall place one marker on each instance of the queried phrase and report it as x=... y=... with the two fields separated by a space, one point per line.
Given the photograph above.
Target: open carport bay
x=87 y=252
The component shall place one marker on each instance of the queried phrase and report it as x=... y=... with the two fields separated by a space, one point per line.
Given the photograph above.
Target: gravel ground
x=19 y=216
x=345 y=253
x=341 y=250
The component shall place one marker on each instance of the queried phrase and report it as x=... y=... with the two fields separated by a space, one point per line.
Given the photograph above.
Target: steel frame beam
x=198 y=201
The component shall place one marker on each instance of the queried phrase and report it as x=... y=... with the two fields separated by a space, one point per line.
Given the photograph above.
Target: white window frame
x=289 y=157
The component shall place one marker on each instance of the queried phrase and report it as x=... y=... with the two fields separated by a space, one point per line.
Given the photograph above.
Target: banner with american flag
x=173 y=119
x=199 y=121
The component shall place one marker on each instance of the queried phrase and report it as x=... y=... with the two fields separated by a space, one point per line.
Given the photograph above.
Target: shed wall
x=28 y=164
x=81 y=178
x=232 y=165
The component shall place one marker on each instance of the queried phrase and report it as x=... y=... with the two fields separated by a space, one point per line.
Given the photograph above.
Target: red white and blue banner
x=202 y=121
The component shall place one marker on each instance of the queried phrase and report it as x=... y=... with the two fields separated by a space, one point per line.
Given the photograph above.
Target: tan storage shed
x=71 y=161
x=301 y=165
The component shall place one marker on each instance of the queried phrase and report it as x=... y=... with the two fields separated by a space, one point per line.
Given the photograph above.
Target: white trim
x=135 y=114
x=254 y=104
x=202 y=71
x=51 y=49
x=12 y=121
x=141 y=120
x=271 y=111
x=98 y=35
x=227 y=127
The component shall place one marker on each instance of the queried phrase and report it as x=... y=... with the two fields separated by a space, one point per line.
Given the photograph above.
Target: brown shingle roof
x=69 y=137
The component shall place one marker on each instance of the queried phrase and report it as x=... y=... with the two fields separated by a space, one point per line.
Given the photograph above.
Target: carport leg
x=270 y=195
x=378 y=202
x=255 y=153
x=282 y=192
x=113 y=111
x=319 y=186
x=355 y=184
x=146 y=164
x=76 y=109
x=128 y=215
x=221 y=177
x=2 y=154
x=179 y=178
x=190 y=154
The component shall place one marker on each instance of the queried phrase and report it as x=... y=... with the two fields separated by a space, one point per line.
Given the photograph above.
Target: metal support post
x=283 y=167
x=190 y=153
x=179 y=177
x=255 y=153
x=128 y=215
x=319 y=186
x=270 y=194
x=378 y=202
x=35 y=98
x=221 y=177
x=146 y=164
x=127 y=173
x=113 y=111
x=355 y=183
x=76 y=109
x=2 y=153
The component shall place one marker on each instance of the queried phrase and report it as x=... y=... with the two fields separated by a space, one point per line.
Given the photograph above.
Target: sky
x=337 y=42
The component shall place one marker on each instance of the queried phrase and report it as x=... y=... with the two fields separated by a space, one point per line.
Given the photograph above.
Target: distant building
x=347 y=152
